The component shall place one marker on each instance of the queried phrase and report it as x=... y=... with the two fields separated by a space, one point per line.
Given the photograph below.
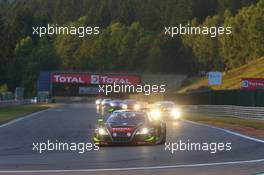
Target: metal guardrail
x=5 y=103
x=73 y=99
x=228 y=110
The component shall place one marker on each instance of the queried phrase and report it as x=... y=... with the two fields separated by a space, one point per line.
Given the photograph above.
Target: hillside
x=232 y=78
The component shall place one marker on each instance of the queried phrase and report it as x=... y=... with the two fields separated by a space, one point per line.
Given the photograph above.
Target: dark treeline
x=131 y=37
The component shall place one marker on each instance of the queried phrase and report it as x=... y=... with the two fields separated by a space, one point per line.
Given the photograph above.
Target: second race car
x=165 y=110
x=115 y=105
x=130 y=127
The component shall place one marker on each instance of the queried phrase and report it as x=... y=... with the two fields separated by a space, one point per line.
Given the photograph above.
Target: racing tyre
x=164 y=136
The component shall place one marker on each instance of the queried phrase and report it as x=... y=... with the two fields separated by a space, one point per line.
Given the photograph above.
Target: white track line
x=135 y=168
x=228 y=131
x=22 y=118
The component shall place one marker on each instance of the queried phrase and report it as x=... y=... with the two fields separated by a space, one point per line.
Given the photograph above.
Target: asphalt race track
x=74 y=122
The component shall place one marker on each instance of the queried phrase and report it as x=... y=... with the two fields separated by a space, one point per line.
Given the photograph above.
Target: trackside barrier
x=227 y=110
x=5 y=103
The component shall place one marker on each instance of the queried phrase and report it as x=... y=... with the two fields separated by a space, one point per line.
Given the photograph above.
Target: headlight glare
x=176 y=113
x=137 y=107
x=155 y=114
x=124 y=106
x=102 y=131
x=143 y=131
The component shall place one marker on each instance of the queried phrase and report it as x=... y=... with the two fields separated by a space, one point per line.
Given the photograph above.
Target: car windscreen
x=130 y=118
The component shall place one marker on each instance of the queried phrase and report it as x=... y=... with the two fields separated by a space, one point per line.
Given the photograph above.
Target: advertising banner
x=252 y=83
x=70 y=78
x=214 y=78
x=87 y=78
x=111 y=79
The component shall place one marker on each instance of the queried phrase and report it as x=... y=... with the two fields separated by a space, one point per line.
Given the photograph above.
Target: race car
x=105 y=102
x=127 y=127
x=98 y=101
x=115 y=105
x=128 y=104
x=165 y=110
x=134 y=105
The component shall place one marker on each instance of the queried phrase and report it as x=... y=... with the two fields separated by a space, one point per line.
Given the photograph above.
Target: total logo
x=68 y=79
x=245 y=83
x=103 y=79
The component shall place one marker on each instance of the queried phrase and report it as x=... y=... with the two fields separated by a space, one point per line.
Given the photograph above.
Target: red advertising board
x=110 y=79
x=70 y=78
x=252 y=83
x=88 y=78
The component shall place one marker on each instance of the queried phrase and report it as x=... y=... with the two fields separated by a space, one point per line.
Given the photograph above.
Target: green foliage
x=13 y=112
x=31 y=60
x=205 y=47
x=131 y=37
x=244 y=44
x=3 y=88
x=247 y=40
x=232 y=78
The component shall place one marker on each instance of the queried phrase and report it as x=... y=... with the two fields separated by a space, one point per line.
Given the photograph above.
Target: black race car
x=130 y=127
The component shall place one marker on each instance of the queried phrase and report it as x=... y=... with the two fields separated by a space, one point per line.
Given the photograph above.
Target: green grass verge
x=13 y=112
x=231 y=79
x=256 y=124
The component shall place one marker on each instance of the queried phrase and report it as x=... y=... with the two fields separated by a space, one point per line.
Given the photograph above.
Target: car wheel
x=163 y=135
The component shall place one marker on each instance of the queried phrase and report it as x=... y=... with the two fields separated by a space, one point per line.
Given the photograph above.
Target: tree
x=246 y=42
x=30 y=60
x=204 y=46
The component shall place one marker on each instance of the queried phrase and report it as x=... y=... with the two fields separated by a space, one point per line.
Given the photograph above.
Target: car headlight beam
x=137 y=107
x=124 y=106
x=155 y=114
x=143 y=131
x=176 y=113
x=102 y=131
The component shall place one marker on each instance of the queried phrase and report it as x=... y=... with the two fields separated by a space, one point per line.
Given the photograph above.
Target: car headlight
x=155 y=114
x=137 y=107
x=102 y=103
x=97 y=102
x=124 y=106
x=34 y=100
x=112 y=104
x=102 y=131
x=176 y=113
x=143 y=131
